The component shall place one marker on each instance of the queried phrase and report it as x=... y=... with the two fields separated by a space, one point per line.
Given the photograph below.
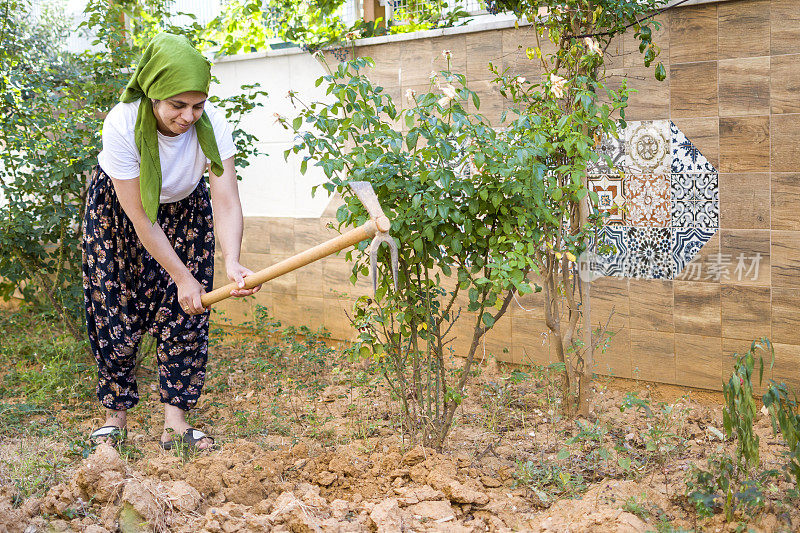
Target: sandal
x=188 y=440
x=113 y=435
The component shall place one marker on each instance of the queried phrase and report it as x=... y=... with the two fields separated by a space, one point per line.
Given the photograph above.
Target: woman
x=148 y=239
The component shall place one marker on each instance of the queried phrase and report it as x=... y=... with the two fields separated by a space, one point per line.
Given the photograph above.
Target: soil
x=352 y=470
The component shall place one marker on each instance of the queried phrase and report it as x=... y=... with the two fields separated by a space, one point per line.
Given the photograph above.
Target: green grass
x=42 y=370
x=634 y=506
x=32 y=466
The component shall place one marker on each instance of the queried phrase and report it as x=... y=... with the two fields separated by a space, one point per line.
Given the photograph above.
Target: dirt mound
x=243 y=487
x=602 y=509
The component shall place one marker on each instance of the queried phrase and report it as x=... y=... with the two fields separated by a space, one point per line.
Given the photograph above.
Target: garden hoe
x=376 y=228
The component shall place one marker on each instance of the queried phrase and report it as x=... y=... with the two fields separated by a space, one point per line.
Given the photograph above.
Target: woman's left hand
x=237 y=273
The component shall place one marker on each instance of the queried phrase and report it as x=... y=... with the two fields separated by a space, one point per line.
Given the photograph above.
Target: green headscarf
x=170 y=65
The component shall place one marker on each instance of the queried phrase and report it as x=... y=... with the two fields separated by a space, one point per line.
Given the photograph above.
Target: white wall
x=270 y=186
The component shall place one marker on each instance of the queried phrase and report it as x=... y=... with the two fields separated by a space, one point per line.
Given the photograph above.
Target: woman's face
x=177 y=113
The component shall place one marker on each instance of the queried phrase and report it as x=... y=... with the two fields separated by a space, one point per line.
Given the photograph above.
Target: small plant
x=548 y=480
x=44 y=366
x=722 y=488
x=31 y=468
x=732 y=484
x=634 y=506
x=785 y=417
x=663 y=437
x=739 y=413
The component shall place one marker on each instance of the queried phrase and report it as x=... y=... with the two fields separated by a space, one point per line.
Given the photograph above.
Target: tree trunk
x=584 y=391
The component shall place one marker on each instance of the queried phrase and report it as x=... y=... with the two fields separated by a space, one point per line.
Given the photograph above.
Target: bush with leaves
x=246 y=26
x=52 y=105
x=47 y=143
x=420 y=15
x=478 y=207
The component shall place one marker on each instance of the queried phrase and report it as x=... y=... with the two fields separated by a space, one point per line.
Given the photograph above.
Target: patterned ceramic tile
x=649 y=253
x=706 y=187
x=682 y=187
x=647 y=147
x=685 y=155
x=612 y=147
x=682 y=214
x=706 y=215
x=610 y=263
x=647 y=200
x=687 y=242
x=695 y=187
x=611 y=197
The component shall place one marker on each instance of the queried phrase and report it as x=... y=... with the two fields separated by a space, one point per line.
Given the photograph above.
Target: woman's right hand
x=189 y=293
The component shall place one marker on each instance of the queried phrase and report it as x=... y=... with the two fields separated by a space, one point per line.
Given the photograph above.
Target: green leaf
x=562 y=454
x=411 y=139
x=488 y=319
x=661 y=72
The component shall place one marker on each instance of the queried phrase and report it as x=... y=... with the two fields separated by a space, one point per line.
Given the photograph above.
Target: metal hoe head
x=366 y=194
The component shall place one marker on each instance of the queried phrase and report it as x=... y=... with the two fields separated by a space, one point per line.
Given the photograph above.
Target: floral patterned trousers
x=127 y=293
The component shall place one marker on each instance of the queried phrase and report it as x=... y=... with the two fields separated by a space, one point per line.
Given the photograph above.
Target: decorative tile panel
x=695 y=214
x=686 y=243
x=682 y=189
x=664 y=210
x=706 y=215
x=682 y=214
x=649 y=253
x=706 y=187
x=612 y=263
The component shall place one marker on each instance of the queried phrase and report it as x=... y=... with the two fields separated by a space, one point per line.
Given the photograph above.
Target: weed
x=13 y=417
x=31 y=466
x=548 y=480
x=736 y=484
x=663 y=437
x=44 y=366
x=664 y=525
x=639 y=508
x=785 y=416
x=364 y=429
x=722 y=488
x=497 y=400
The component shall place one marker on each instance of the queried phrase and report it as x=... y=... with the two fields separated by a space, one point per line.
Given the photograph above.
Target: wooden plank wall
x=733 y=89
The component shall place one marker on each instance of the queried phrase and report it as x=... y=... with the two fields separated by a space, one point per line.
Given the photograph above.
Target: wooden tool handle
x=351 y=238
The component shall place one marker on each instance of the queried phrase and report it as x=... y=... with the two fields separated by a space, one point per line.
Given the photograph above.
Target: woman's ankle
x=116 y=418
x=174 y=417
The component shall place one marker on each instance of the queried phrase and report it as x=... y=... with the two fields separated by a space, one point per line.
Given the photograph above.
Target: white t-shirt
x=182 y=160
